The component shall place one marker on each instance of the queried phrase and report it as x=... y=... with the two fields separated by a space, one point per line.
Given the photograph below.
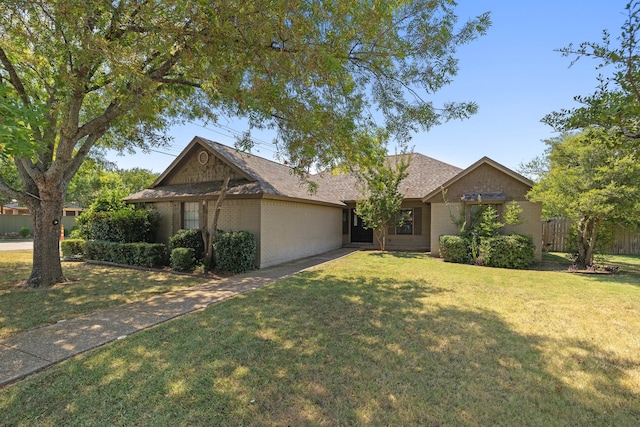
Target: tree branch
x=14 y=78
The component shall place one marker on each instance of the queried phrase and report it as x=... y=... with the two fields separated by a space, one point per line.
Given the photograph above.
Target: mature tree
x=16 y=121
x=95 y=177
x=379 y=210
x=592 y=178
x=116 y=74
x=615 y=105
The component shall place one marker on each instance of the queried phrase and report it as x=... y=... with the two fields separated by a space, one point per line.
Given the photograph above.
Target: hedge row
x=513 y=251
x=141 y=254
x=123 y=226
x=72 y=247
x=235 y=251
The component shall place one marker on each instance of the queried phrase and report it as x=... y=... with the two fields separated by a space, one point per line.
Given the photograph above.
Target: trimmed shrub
x=183 y=259
x=235 y=251
x=124 y=225
x=72 y=247
x=188 y=239
x=514 y=251
x=141 y=254
x=24 y=232
x=454 y=248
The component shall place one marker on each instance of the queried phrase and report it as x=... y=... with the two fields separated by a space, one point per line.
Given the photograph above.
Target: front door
x=358 y=233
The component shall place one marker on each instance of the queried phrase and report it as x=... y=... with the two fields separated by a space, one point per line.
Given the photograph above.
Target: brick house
x=266 y=199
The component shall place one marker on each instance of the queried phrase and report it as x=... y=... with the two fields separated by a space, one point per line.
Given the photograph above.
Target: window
x=406 y=217
x=345 y=221
x=190 y=215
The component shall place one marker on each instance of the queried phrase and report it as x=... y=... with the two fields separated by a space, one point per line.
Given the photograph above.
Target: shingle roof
x=266 y=177
x=425 y=174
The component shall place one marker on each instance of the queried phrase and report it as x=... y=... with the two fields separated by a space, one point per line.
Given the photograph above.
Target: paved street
x=8 y=245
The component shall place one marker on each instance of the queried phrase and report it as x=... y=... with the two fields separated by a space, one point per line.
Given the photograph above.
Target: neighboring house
x=17 y=209
x=267 y=199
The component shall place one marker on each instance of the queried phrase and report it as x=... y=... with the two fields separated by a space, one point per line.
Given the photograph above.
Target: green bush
x=188 y=239
x=24 y=232
x=514 y=251
x=454 y=248
x=125 y=225
x=140 y=254
x=72 y=247
x=183 y=259
x=235 y=251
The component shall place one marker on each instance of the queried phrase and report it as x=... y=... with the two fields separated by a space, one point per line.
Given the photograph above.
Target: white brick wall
x=292 y=230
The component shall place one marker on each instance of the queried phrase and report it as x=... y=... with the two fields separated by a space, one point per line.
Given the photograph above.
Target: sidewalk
x=31 y=351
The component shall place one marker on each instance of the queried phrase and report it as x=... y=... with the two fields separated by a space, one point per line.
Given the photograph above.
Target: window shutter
x=417 y=221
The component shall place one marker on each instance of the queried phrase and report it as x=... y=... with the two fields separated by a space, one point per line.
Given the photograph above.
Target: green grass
x=371 y=339
x=91 y=287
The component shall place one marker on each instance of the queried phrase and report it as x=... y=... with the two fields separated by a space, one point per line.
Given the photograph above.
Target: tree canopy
x=116 y=74
x=592 y=177
x=382 y=202
x=615 y=105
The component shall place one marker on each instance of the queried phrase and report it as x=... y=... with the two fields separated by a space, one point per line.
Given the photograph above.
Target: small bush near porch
x=371 y=339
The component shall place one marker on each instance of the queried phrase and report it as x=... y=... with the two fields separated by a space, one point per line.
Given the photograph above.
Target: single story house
x=268 y=200
x=15 y=208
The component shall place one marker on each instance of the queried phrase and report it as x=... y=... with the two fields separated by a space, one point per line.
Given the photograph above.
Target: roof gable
x=199 y=163
x=482 y=163
x=189 y=175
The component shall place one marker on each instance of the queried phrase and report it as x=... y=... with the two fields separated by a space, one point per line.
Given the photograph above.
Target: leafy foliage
x=117 y=75
x=188 y=239
x=235 y=251
x=513 y=251
x=379 y=210
x=152 y=255
x=454 y=248
x=593 y=177
x=112 y=220
x=182 y=259
x=72 y=247
x=95 y=179
x=615 y=105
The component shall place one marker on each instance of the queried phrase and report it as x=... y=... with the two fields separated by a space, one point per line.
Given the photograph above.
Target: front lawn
x=91 y=287
x=370 y=339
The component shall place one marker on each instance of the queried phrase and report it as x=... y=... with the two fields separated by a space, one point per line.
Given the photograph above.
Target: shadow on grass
x=89 y=288
x=316 y=349
x=399 y=254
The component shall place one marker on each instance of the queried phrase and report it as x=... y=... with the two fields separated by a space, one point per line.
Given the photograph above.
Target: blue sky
x=513 y=73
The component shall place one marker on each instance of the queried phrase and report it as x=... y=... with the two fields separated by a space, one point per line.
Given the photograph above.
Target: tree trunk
x=587 y=235
x=382 y=238
x=209 y=233
x=47 y=269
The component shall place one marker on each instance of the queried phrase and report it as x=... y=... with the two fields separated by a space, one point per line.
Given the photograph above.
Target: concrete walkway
x=31 y=351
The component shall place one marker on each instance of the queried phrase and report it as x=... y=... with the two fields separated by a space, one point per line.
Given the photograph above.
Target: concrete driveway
x=8 y=245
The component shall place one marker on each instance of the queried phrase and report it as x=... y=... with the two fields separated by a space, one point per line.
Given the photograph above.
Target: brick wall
x=419 y=242
x=485 y=178
x=292 y=230
x=441 y=223
x=240 y=215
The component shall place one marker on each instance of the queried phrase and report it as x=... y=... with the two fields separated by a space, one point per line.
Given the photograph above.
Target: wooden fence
x=555 y=237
